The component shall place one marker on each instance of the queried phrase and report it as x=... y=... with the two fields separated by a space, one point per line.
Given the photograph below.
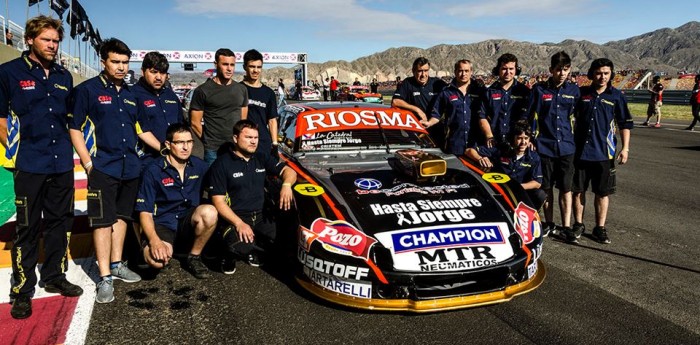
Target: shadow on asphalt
x=689 y=148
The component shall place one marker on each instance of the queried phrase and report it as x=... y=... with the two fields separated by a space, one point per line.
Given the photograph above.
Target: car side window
x=288 y=128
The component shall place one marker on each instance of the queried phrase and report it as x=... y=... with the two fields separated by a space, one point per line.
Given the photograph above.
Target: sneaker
x=600 y=234
x=21 y=307
x=124 y=273
x=228 y=266
x=657 y=125
x=579 y=229
x=690 y=129
x=105 y=291
x=548 y=228
x=196 y=267
x=254 y=260
x=568 y=236
x=645 y=124
x=64 y=287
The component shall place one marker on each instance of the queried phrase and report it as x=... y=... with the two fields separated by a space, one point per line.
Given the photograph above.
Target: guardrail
x=676 y=97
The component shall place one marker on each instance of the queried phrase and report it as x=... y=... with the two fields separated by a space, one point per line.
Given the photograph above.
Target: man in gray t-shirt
x=220 y=102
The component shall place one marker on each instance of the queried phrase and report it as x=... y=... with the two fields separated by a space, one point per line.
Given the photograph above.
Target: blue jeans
x=209 y=156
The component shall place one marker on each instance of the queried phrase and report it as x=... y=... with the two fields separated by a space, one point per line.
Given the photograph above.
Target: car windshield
x=359 y=129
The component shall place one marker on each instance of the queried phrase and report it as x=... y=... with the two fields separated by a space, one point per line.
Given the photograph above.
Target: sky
x=349 y=29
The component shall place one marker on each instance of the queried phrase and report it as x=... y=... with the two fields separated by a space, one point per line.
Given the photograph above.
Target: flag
x=59 y=6
x=78 y=17
x=89 y=31
x=33 y=2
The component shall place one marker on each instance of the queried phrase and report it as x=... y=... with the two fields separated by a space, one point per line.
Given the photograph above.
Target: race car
x=360 y=93
x=386 y=221
x=307 y=93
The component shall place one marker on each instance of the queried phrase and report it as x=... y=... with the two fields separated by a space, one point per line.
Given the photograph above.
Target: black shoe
x=196 y=267
x=548 y=228
x=579 y=229
x=21 y=307
x=600 y=234
x=568 y=236
x=254 y=260
x=689 y=128
x=228 y=266
x=64 y=287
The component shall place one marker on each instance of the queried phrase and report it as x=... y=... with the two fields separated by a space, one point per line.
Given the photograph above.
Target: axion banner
x=208 y=56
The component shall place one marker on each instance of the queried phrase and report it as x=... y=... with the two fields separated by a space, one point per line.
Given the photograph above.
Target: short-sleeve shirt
x=598 y=116
x=166 y=194
x=35 y=108
x=695 y=94
x=158 y=108
x=262 y=107
x=108 y=120
x=421 y=96
x=552 y=114
x=457 y=111
x=502 y=108
x=524 y=169
x=658 y=96
x=222 y=106
x=241 y=181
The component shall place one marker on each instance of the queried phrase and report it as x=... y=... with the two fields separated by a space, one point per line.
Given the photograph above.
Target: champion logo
x=104 y=99
x=27 y=84
x=168 y=181
x=149 y=103
x=547 y=97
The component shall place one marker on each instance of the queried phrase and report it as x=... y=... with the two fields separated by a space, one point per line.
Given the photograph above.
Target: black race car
x=388 y=222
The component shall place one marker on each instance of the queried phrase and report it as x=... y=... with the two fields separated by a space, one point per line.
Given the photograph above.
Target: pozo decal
x=338 y=237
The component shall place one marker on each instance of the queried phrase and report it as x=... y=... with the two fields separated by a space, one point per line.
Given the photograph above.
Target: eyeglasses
x=182 y=142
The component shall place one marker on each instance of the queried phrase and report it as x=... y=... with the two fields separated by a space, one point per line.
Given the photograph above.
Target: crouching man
x=236 y=187
x=168 y=204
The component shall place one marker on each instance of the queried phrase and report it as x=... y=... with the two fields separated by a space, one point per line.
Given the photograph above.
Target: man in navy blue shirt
x=34 y=92
x=601 y=112
x=103 y=129
x=418 y=93
x=237 y=179
x=262 y=108
x=156 y=102
x=168 y=203
x=516 y=160
x=552 y=113
x=505 y=101
x=457 y=106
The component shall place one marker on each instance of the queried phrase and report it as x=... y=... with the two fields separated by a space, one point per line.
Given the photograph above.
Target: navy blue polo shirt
x=552 y=114
x=108 y=119
x=242 y=181
x=598 y=116
x=35 y=108
x=166 y=194
x=421 y=96
x=502 y=108
x=527 y=168
x=158 y=109
x=458 y=111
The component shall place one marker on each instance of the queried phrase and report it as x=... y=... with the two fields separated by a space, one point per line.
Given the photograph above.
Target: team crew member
x=103 y=129
x=418 y=93
x=515 y=160
x=695 y=104
x=457 y=105
x=261 y=102
x=601 y=112
x=655 y=102
x=169 y=207
x=221 y=102
x=156 y=101
x=34 y=92
x=552 y=113
x=505 y=101
x=239 y=177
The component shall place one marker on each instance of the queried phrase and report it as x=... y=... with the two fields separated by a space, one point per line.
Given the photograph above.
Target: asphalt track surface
x=644 y=288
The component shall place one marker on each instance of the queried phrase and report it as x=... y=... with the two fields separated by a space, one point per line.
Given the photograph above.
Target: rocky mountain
x=668 y=50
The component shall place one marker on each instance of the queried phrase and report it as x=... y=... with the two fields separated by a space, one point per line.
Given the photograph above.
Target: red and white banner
x=208 y=56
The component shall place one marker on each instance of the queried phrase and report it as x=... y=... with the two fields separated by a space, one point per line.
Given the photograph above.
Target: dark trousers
x=53 y=195
x=325 y=95
x=695 y=108
x=264 y=228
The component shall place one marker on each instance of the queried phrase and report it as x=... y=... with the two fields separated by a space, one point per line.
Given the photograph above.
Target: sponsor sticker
x=168 y=181
x=339 y=285
x=405 y=188
x=464 y=235
x=496 y=177
x=526 y=223
x=342 y=238
x=309 y=189
x=428 y=211
x=531 y=270
x=368 y=183
x=352 y=119
x=334 y=268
